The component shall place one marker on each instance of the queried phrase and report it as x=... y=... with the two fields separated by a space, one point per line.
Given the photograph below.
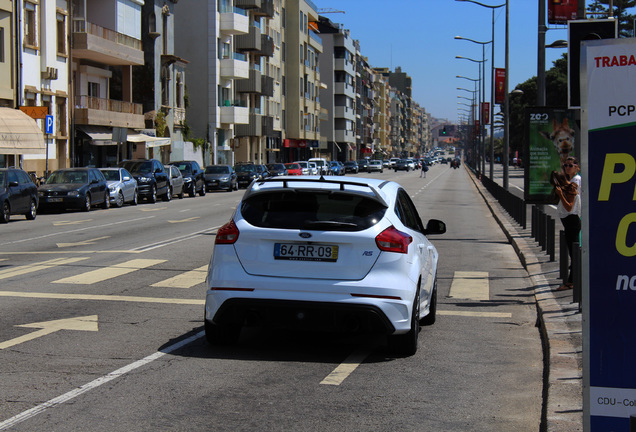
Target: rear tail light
x=227 y=234
x=392 y=240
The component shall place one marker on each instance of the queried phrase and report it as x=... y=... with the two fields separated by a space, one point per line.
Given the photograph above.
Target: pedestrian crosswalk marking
x=185 y=280
x=109 y=272
x=472 y=285
x=32 y=268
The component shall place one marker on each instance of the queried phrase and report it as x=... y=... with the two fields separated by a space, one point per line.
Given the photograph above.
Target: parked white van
x=323 y=166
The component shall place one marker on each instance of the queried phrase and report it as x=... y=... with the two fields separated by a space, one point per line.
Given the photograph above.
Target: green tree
x=600 y=8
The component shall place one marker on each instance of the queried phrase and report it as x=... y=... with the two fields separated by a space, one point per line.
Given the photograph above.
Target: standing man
x=424 y=169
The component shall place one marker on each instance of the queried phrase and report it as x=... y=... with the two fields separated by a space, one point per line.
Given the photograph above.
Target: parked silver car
x=176 y=180
x=122 y=186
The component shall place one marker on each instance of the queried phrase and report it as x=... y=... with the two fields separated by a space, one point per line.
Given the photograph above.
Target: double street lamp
x=476 y=81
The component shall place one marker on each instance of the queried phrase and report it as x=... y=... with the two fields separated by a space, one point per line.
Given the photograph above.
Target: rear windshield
x=111 y=175
x=245 y=168
x=324 y=211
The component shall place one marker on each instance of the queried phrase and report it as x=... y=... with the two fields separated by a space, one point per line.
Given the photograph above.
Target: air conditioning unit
x=50 y=73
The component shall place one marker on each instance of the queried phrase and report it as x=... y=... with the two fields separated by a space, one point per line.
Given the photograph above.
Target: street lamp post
x=483 y=94
x=476 y=155
x=492 y=75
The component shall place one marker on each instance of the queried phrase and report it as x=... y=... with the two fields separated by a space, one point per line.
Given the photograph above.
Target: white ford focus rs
x=332 y=255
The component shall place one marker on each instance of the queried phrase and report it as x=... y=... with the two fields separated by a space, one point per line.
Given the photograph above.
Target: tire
x=202 y=191
x=225 y=334
x=181 y=194
x=168 y=196
x=5 y=214
x=87 y=203
x=432 y=311
x=33 y=211
x=119 y=202
x=135 y=200
x=153 y=194
x=106 y=203
x=406 y=344
x=193 y=191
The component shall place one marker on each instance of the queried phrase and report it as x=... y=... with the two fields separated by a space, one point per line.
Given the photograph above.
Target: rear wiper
x=327 y=224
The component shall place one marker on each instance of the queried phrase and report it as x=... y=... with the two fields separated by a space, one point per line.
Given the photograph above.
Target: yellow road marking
x=85 y=323
x=476 y=314
x=26 y=269
x=81 y=243
x=154 y=209
x=110 y=272
x=185 y=280
x=471 y=285
x=184 y=220
x=345 y=369
x=97 y=297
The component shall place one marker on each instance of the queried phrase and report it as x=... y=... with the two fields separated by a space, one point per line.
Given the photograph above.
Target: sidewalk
x=559 y=321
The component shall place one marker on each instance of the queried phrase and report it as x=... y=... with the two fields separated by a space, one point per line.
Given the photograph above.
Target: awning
x=20 y=134
x=150 y=141
x=336 y=144
x=99 y=135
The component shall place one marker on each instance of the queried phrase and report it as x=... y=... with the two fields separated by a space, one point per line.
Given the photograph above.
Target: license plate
x=55 y=199
x=303 y=252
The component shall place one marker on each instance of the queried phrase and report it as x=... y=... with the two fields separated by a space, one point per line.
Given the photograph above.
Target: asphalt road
x=101 y=330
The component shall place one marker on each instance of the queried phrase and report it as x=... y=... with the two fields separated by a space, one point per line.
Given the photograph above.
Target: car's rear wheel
x=153 y=194
x=181 y=193
x=193 y=191
x=222 y=334
x=106 y=203
x=5 y=216
x=33 y=211
x=406 y=344
x=202 y=191
x=168 y=195
x=135 y=199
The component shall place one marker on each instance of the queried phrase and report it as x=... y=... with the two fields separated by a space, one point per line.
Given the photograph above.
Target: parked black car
x=79 y=188
x=276 y=169
x=246 y=173
x=262 y=171
x=18 y=194
x=152 y=179
x=193 y=177
x=219 y=177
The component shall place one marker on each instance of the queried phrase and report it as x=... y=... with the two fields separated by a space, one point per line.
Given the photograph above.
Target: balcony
x=341 y=88
x=234 y=113
x=247 y=4
x=250 y=85
x=234 y=23
x=267 y=86
x=98 y=44
x=250 y=41
x=343 y=112
x=344 y=136
x=234 y=68
x=341 y=64
x=107 y=112
x=266 y=9
x=253 y=128
x=267 y=46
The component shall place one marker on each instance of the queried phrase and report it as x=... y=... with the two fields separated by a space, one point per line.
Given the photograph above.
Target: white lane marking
x=74 y=231
x=98 y=297
x=45 y=265
x=25 y=415
x=346 y=368
x=471 y=285
x=185 y=280
x=109 y=272
x=174 y=240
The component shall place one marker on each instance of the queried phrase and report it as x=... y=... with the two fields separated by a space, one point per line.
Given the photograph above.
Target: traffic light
x=444 y=130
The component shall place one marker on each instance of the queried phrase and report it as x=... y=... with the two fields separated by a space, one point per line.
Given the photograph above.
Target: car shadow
x=264 y=344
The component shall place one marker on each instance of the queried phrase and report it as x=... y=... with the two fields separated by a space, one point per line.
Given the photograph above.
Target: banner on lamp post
x=562 y=11
x=500 y=85
x=485 y=109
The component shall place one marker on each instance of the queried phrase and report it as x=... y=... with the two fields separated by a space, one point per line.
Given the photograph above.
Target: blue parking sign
x=49 y=124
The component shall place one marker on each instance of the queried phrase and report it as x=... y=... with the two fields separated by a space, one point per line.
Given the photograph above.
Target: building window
x=60 y=116
x=93 y=89
x=1 y=45
x=30 y=25
x=61 y=34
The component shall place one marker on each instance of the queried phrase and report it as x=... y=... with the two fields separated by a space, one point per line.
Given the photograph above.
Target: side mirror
x=434 y=226
x=13 y=184
x=126 y=178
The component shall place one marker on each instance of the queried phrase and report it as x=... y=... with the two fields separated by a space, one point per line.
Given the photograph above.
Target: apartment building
x=106 y=46
x=381 y=116
x=256 y=140
x=159 y=85
x=365 y=106
x=338 y=96
x=302 y=71
x=34 y=58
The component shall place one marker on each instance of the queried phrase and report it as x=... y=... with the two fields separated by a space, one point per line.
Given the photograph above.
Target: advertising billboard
x=550 y=139
x=608 y=126
x=500 y=84
x=562 y=11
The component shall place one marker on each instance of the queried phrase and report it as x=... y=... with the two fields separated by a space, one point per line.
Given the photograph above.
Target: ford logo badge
x=305 y=235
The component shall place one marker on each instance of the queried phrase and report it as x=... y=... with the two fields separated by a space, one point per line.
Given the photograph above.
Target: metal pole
x=506 y=155
x=492 y=99
x=541 y=56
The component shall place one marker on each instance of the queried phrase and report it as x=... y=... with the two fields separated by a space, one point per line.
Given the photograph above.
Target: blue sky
x=418 y=36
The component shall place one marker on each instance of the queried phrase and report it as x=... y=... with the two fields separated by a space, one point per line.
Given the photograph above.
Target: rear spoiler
x=322 y=181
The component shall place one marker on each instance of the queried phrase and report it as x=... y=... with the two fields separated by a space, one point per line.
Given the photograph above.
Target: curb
x=562 y=409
